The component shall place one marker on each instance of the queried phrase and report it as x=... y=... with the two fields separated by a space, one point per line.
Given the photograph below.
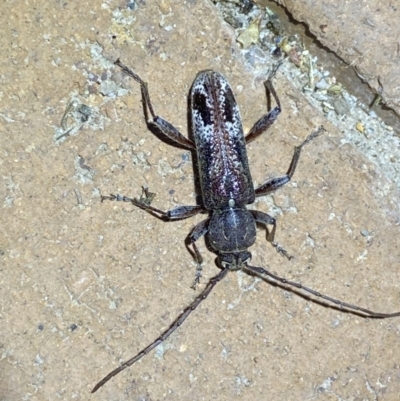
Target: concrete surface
x=365 y=34
x=85 y=286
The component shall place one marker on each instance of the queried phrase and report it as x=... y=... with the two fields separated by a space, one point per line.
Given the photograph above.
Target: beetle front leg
x=266 y=219
x=197 y=232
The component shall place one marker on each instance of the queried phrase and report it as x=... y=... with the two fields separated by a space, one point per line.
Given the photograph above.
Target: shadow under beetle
x=226 y=189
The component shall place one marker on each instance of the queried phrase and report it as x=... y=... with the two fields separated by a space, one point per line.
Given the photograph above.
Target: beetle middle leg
x=178 y=213
x=144 y=202
x=274 y=183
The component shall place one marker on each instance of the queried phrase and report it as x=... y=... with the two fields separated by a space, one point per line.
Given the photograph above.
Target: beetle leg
x=274 y=183
x=155 y=123
x=198 y=231
x=266 y=219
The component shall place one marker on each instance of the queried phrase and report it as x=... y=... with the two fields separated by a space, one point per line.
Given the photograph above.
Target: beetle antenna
x=344 y=306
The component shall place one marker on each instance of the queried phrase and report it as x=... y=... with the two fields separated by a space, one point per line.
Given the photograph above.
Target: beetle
x=226 y=189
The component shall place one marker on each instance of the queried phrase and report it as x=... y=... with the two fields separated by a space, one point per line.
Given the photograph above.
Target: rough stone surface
x=363 y=33
x=84 y=285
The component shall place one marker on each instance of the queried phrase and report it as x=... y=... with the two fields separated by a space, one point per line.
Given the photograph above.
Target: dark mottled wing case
x=221 y=148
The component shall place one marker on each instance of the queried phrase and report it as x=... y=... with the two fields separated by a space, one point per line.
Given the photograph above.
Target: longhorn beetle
x=226 y=189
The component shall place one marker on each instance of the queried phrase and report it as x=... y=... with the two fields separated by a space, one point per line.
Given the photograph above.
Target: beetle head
x=233 y=261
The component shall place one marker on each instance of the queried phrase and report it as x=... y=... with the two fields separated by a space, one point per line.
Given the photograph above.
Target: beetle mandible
x=226 y=189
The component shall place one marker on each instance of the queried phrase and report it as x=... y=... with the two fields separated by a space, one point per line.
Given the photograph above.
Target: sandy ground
x=86 y=285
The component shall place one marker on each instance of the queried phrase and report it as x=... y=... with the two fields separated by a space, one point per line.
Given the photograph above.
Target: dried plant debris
x=251 y=34
x=84 y=108
x=358 y=122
